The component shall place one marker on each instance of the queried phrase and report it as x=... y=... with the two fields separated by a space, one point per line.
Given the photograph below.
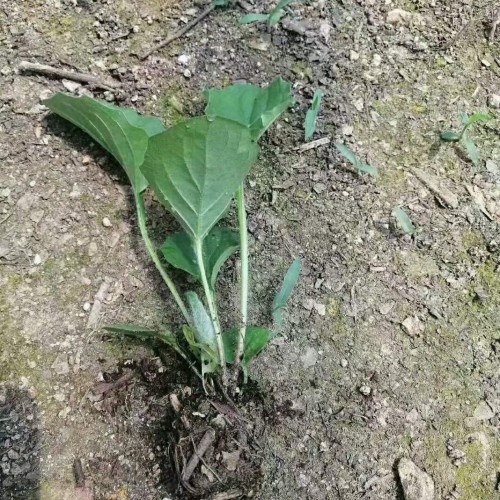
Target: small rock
x=106 y=222
x=343 y=363
x=377 y=60
x=320 y=308
x=37 y=260
x=494 y=101
x=483 y=411
x=412 y=326
x=365 y=390
x=354 y=56
x=399 y=17
x=417 y=485
x=359 y=104
x=492 y=167
x=87 y=306
x=92 y=250
x=13 y=454
x=60 y=365
x=413 y=416
x=319 y=188
x=187 y=73
x=71 y=86
x=347 y=130
x=309 y=358
x=231 y=460
x=184 y=59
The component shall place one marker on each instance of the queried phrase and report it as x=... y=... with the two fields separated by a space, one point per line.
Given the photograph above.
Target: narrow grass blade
x=254 y=18
x=356 y=162
x=472 y=150
x=312 y=115
x=290 y=280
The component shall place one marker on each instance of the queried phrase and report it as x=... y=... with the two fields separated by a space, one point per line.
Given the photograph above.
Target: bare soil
x=392 y=343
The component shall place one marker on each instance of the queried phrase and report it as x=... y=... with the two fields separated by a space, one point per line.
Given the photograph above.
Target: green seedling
x=462 y=136
x=312 y=115
x=273 y=18
x=195 y=170
x=404 y=221
x=355 y=161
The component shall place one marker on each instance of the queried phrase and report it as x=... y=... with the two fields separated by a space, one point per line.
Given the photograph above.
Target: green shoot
x=312 y=115
x=404 y=221
x=355 y=161
x=462 y=136
x=290 y=280
x=273 y=18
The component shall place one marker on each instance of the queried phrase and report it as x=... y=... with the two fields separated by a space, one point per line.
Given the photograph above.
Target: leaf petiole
x=141 y=219
x=198 y=249
x=242 y=221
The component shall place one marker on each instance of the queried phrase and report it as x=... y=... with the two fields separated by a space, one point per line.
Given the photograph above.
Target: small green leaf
x=472 y=150
x=221 y=3
x=144 y=334
x=196 y=167
x=450 y=136
x=403 y=220
x=254 y=18
x=352 y=158
x=255 y=340
x=290 y=280
x=478 y=118
x=204 y=330
x=312 y=115
x=121 y=131
x=218 y=246
x=277 y=13
x=250 y=105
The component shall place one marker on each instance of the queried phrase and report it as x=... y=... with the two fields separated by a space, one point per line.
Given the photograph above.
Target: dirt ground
x=391 y=348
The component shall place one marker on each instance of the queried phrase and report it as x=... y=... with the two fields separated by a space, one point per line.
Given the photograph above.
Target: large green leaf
x=289 y=281
x=195 y=168
x=121 y=131
x=250 y=105
x=218 y=246
x=312 y=115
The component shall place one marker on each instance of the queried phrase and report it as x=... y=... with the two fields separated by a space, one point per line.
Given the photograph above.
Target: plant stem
x=242 y=221
x=141 y=216
x=198 y=248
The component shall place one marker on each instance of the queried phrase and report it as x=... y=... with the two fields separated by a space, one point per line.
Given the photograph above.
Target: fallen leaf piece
x=231 y=459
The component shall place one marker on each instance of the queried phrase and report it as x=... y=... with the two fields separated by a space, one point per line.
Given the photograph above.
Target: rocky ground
x=385 y=381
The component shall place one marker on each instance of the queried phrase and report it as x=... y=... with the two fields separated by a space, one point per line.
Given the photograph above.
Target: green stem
x=198 y=248
x=141 y=216
x=242 y=221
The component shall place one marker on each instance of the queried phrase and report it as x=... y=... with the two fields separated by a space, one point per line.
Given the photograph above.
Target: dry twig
x=207 y=439
x=494 y=25
x=179 y=33
x=43 y=69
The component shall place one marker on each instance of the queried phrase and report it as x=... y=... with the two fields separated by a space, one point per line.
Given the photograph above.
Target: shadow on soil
x=20 y=445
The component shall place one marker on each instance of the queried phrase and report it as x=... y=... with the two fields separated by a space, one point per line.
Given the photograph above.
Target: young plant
x=272 y=19
x=355 y=161
x=462 y=136
x=194 y=168
x=312 y=115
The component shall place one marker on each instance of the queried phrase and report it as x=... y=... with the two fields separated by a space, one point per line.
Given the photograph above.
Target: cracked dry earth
x=385 y=381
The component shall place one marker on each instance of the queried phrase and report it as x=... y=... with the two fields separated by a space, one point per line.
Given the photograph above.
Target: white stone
x=417 y=485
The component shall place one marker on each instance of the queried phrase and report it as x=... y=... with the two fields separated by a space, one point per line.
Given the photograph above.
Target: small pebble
x=365 y=390
x=37 y=260
x=106 y=222
x=343 y=363
x=86 y=306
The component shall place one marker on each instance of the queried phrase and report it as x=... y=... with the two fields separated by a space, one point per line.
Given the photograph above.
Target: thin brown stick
x=207 y=439
x=43 y=69
x=179 y=33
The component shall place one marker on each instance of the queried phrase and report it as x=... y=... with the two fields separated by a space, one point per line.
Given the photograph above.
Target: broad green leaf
x=218 y=246
x=289 y=281
x=352 y=158
x=255 y=340
x=250 y=105
x=403 y=220
x=254 y=18
x=196 y=167
x=472 y=150
x=450 y=136
x=121 y=131
x=312 y=115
